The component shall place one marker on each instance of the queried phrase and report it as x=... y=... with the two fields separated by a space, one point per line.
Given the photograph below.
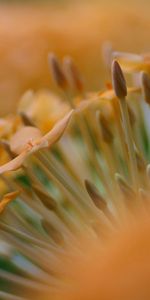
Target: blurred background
x=29 y=30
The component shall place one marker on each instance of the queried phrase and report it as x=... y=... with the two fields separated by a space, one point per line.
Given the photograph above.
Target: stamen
x=73 y=74
x=55 y=235
x=120 y=89
x=57 y=72
x=126 y=189
x=145 y=81
x=118 y=81
x=132 y=116
x=98 y=200
x=46 y=199
x=105 y=128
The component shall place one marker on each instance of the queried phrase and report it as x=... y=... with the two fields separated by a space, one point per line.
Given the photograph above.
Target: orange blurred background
x=78 y=28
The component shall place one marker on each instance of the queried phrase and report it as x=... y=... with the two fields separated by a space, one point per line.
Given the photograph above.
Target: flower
x=79 y=226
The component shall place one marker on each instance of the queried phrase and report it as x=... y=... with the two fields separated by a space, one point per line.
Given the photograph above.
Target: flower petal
x=6 y=199
x=15 y=163
x=57 y=131
x=131 y=63
x=20 y=140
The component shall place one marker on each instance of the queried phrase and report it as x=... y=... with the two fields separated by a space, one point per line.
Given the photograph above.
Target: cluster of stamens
x=83 y=177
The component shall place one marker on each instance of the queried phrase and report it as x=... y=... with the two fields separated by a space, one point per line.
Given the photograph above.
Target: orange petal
x=8 y=198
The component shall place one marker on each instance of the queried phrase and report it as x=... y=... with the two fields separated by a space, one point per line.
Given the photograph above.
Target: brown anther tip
x=145 y=82
x=56 y=71
x=95 y=195
x=118 y=81
x=45 y=198
x=74 y=76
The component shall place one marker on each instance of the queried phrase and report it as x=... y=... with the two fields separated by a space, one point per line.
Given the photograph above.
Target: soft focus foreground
x=79 y=29
x=118 y=271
